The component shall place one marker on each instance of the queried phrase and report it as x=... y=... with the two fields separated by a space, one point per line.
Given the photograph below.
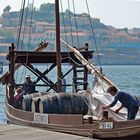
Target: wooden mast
x=11 y=69
x=58 y=49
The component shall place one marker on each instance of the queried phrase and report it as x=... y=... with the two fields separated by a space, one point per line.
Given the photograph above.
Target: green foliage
x=47 y=7
x=126 y=30
x=7 y=9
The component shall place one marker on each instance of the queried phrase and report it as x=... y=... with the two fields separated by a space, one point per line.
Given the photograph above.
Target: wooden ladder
x=80 y=77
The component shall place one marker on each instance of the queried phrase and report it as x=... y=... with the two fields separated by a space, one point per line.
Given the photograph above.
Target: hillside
x=113 y=44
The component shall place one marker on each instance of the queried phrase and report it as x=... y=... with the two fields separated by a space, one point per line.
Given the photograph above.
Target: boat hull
x=74 y=124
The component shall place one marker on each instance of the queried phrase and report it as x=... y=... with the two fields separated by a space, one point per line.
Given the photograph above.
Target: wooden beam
x=43 y=78
x=4 y=77
x=58 y=49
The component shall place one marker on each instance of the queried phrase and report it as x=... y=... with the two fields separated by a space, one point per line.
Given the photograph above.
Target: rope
x=21 y=21
x=64 y=26
x=27 y=57
x=31 y=18
x=19 y=33
x=25 y=22
x=94 y=127
x=63 y=21
x=89 y=66
x=93 y=35
x=76 y=24
x=89 y=105
x=98 y=122
x=70 y=23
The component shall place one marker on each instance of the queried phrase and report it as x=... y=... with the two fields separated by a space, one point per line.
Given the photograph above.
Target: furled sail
x=92 y=69
x=98 y=98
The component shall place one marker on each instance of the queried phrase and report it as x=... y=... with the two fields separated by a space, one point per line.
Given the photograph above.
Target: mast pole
x=11 y=69
x=58 y=49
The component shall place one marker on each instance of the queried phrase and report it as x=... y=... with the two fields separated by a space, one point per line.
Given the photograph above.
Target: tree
x=7 y=9
x=126 y=30
x=50 y=7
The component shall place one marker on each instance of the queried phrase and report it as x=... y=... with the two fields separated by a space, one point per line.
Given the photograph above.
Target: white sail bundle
x=92 y=69
x=99 y=97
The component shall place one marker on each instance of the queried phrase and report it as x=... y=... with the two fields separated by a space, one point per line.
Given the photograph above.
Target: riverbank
x=15 y=132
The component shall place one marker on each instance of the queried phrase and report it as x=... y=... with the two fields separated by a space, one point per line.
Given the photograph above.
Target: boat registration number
x=106 y=125
x=40 y=118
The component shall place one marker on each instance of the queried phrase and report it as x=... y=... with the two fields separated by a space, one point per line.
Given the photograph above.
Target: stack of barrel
x=62 y=103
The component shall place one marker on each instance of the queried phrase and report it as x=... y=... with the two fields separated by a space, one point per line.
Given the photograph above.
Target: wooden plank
x=15 y=132
x=64 y=119
x=47 y=57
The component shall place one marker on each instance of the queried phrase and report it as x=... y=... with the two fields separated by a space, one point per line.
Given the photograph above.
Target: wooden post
x=11 y=68
x=58 y=50
x=74 y=78
x=90 y=119
x=86 y=70
x=105 y=114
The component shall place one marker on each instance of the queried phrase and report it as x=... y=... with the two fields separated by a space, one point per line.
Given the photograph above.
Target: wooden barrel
x=83 y=104
x=25 y=103
x=34 y=105
x=35 y=102
x=63 y=104
x=27 y=99
x=80 y=104
x=45 y=103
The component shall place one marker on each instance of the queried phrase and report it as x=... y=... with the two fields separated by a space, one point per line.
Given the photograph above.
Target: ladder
x=80 y=77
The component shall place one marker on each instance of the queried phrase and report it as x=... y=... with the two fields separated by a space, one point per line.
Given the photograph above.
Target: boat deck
x=46 y=57
x=15 y=132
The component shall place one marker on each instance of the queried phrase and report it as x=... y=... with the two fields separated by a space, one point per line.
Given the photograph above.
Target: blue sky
x=118 y=13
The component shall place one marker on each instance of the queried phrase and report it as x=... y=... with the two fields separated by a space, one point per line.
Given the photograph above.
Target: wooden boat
x=75 y=113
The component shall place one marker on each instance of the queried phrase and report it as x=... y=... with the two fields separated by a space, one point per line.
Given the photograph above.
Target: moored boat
x=77 y=112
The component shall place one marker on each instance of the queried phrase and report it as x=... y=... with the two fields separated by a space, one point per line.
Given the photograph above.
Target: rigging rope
x=70 y=23
x=89 y=66
x=63 y=21
x=93 y=35
x=76 y=26
x=20 y=28
x=31 y=19
x=25 y=24
x=24 y=30
x=22 y=43
x=65 y=31
x=21 y=21
x=29 y=38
